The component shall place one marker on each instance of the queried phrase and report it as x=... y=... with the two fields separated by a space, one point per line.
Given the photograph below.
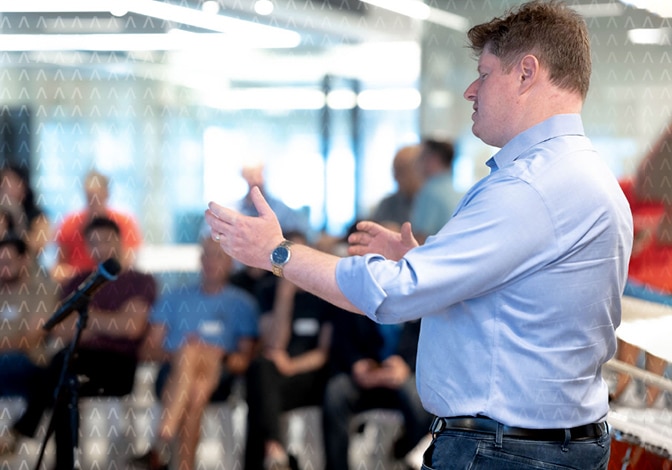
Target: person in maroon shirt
x=107 y=353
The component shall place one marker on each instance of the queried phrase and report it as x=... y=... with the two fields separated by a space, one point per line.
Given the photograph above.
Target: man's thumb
x=260 y=202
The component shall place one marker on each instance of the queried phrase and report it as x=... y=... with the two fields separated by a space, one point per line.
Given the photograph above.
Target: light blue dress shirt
x=519 y=292
x=434 y=204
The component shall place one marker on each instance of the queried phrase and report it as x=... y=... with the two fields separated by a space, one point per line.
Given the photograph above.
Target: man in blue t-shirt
x=205 y=336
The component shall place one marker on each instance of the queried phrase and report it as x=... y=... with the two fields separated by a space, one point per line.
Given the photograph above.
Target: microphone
x=107 y=271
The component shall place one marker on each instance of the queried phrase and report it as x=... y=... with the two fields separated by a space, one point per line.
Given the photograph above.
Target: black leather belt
x=487 y=425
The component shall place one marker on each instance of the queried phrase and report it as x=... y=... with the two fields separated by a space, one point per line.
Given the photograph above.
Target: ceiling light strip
x=130 y=42
x=420 y=11
x=156 y=9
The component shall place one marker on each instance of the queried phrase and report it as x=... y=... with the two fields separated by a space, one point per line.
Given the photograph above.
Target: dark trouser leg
x=340 y=399
x=41 y=398
x=269 y=394
x=263 y=399
x=62 y=420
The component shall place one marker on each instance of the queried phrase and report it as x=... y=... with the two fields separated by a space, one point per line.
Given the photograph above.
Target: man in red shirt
x=73 y=256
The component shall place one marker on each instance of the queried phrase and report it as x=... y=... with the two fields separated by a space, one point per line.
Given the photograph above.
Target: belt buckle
x=438 y=425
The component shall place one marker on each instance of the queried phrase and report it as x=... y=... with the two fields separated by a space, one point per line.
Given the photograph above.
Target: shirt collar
x=555 y=126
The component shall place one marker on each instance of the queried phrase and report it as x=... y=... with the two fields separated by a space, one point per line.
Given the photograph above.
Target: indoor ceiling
x=141 y=31
x=318 y=21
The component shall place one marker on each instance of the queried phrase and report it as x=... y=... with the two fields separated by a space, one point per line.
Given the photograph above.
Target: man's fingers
x=215 y=209
x=216 y=214
x=359 y=238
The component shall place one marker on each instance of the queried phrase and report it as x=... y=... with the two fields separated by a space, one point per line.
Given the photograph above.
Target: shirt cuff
x=355 y=280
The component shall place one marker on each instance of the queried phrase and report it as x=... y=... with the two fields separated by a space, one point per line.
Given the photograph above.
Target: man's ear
x=529 y=71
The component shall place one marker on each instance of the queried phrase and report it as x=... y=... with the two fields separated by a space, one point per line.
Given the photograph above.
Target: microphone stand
x=66 y=393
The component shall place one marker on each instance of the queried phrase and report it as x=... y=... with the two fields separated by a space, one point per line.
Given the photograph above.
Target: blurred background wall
x=171 y=98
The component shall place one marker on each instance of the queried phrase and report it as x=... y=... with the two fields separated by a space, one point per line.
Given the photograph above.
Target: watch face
x=280 y=255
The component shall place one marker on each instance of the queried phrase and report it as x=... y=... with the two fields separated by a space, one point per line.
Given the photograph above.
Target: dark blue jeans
x=458 y=450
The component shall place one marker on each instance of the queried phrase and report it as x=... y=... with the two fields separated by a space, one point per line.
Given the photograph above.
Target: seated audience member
x=373 y=366
x=437 y=199
x=649 y=278
x=29 y=221
x=73 y=256
x=252 y=280
x=206 y=336
x=395 y=209
x=28 y=299
x=107 y=354
x=290 y=371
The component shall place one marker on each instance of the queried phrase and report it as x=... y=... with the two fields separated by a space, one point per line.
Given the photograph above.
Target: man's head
x=406 y=171
x=97 y=191
x=103 y=239
x=436 y=156
x=551 y=31
x=533 y=63
x=13 y=256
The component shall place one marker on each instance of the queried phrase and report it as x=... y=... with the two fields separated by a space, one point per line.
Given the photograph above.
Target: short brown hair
x=556 y=34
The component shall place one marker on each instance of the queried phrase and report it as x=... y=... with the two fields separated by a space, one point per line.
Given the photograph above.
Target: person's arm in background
x=152 y=349
x=279 y=321
x=238 y=361
x=63 y=270
x=131 y=240
x=306 y=362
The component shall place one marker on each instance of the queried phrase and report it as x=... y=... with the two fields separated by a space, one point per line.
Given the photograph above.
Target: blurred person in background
x=291 y=370
x=650 y=270
x=30 y=222
x=290 y=219
x=105 y=361
x=28 y=300
x=437 y=199
x=372 y=366
x=204 y=336
x=72 y=255
x=395 y=209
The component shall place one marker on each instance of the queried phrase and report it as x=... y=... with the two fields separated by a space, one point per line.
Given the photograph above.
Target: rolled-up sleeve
x=357 y=283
